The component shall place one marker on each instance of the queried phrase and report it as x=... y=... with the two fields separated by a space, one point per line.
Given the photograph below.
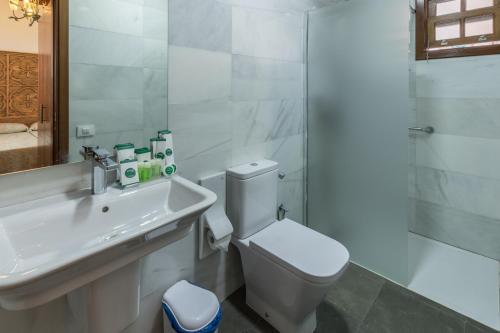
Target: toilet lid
x=307 y=253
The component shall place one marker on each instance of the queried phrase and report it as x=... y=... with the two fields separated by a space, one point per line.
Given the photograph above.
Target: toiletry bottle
x=167 y=147
x=143 y=154
x=124 y=151
x=129 y=172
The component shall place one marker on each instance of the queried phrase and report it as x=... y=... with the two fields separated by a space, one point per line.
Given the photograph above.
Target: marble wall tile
x=157 y=4
x=455 y=227
x=277 y=5
x=155 y=53
x=154 y=83
x=104 y=82
x=201 y=24
x=268 y=34
x=155 y=24
x=201 y=128
x=106 y=115
x=281 y=5
x=261 y=121
x=198 y=75
x=155 y=115
x=95 y=14
x=108 y=48
x=261 y=79
x=468 y=155
x=204 y=165
x=291 y=194
x=470 y=77
x=473 y=117
x=470 y=194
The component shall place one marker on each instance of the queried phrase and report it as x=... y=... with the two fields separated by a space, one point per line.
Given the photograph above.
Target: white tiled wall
x=237 y=94
x=458 y=168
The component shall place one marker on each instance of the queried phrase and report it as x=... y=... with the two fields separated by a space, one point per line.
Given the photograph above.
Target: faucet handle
x=101 y=154
x=88 y=151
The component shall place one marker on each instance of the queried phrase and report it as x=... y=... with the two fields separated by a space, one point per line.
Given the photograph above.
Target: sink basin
x=52 y=246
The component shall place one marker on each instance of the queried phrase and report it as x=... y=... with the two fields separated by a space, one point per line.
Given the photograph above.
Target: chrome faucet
x=102 y=164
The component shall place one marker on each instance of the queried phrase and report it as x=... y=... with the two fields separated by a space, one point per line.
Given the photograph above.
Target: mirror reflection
x=85 y=86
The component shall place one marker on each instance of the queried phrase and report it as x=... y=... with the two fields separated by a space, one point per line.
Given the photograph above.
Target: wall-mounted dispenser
x=215 y=228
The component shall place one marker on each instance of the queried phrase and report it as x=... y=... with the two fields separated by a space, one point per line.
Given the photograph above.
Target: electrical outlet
x=83 y=131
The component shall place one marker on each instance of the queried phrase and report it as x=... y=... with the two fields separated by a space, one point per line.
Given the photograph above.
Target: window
x=457 y=28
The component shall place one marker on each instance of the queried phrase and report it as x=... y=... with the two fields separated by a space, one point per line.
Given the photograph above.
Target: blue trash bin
x=190 y=309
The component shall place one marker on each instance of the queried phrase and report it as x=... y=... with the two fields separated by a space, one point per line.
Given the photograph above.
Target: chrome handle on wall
x=428 y=129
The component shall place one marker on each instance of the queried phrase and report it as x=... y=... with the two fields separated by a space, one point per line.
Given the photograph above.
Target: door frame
x=61 y=81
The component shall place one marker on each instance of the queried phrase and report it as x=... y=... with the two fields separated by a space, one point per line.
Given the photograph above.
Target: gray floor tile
x=475 y=327
x=353 y=295
x=331 y=320
x=237 y=317
x=398 y=310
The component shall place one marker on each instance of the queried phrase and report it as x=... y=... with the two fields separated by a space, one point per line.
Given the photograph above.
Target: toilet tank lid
x=253 y=169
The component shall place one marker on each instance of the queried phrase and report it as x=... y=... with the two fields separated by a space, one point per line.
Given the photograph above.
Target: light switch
x=83 y=131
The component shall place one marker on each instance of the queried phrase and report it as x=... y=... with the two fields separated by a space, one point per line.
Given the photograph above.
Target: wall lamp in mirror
x=27 y=9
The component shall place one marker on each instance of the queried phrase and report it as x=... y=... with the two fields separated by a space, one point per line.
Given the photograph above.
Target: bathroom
x=379 y=139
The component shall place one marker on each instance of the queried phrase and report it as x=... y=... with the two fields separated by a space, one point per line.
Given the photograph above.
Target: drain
x=105 y=209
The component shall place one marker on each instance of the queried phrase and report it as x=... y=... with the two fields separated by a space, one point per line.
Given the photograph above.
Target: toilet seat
x=301 y=250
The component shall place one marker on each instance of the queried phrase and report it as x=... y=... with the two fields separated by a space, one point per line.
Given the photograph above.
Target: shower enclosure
x=358 y=107
x=377 y=183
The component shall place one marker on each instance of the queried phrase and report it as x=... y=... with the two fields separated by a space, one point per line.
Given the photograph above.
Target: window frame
x=424 y=33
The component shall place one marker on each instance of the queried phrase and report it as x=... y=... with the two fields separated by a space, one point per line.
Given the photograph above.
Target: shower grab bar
x=428 y=129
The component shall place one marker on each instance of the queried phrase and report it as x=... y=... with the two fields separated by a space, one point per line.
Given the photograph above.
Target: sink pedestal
x=109 y=304
x=113 y=302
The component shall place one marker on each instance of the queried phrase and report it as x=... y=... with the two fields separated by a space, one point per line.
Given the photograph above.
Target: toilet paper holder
x=215 y=229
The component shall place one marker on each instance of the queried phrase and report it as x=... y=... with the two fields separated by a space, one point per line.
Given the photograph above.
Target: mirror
x=79 y=72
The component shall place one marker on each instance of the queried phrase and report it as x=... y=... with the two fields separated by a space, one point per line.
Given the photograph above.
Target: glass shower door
x=358 y=106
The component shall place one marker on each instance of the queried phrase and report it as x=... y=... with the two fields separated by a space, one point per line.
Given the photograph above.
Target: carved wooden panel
x=23 y=70
x=18 y=87
x=23 y=101
x=3 y=84
x=3 y=69
x=3 y=101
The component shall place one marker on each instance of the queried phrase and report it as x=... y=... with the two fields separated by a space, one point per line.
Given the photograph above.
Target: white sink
x=52 y=246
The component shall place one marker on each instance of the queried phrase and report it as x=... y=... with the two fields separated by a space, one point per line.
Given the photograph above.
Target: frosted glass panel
x=476 y=26
x=448 y=30
x=447 y=7
x=358 y=96
x=475 y=4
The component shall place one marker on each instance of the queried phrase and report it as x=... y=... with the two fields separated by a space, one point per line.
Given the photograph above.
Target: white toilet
x=288 y=267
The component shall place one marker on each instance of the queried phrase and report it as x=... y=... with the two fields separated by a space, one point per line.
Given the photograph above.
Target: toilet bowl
x=288 y=268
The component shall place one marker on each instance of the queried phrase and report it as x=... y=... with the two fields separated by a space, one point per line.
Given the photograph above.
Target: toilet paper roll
x=221 y=244
x=217 y=222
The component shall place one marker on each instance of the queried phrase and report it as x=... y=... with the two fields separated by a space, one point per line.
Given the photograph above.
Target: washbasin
x=52 y=246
